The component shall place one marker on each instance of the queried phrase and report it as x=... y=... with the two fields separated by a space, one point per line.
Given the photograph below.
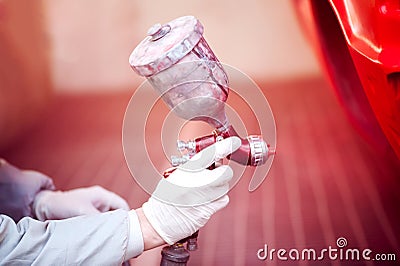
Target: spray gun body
x=180 y=65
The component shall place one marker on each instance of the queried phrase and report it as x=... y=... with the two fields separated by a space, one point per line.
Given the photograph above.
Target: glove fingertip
x=227 y=146
x=111 y=200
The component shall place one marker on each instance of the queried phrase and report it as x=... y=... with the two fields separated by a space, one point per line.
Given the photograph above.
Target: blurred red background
x=65 y=82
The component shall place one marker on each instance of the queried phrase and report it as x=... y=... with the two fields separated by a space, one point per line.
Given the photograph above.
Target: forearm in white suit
x=102 y=239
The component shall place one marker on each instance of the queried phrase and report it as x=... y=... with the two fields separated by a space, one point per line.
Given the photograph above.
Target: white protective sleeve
x=102 y=239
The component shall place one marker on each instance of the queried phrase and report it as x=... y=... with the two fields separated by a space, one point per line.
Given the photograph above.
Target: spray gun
x=179 y=64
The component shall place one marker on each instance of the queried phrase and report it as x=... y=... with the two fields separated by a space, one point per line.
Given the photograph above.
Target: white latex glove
x=54 y=205
x=185 y=201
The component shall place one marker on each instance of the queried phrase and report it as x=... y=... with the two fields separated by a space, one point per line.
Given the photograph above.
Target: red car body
x=358 y=44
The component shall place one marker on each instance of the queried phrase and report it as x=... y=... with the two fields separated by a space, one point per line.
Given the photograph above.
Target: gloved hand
x=185 y=201
x=51 y=205
x=18 y=189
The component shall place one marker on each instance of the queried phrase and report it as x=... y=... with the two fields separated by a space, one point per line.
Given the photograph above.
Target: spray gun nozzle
x=190 y=145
